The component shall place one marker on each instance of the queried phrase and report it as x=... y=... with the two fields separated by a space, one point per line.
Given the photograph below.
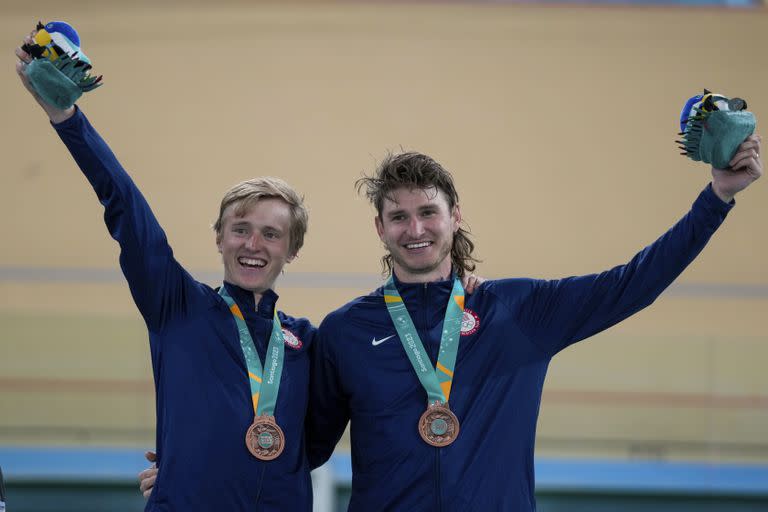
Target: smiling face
x=417 y=227
x=255 y=246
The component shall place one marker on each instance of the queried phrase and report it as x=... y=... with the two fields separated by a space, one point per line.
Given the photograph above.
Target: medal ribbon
x=437 y=382
x=264 y=400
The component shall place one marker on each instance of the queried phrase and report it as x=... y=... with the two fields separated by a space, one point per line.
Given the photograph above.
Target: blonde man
x=231 y=372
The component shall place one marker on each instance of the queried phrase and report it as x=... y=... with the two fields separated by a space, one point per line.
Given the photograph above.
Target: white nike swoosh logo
x=382 y=340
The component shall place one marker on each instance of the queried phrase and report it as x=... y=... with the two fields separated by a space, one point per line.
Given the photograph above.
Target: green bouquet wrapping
x=713 y=126
x=59 y=71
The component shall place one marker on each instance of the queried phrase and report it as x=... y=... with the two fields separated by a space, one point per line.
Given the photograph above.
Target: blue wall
x=102 y=480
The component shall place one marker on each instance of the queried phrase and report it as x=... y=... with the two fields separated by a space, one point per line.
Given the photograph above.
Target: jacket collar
x=244 y=299
x=436 y=285
x=426 y=302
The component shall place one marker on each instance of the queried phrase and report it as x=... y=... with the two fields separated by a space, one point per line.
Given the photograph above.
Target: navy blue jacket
x=511 y=329
x=204 y=405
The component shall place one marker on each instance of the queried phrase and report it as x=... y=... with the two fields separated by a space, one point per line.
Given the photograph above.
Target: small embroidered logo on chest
x=291 y=340
x=470 y=322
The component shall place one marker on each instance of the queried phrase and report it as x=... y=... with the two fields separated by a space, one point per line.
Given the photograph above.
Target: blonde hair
x=247 y=193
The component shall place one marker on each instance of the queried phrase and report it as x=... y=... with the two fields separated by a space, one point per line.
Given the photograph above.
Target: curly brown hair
x=414 y=170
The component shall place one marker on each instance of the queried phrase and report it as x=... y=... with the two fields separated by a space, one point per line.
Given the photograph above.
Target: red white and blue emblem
x=291 y=340
x=470 y=322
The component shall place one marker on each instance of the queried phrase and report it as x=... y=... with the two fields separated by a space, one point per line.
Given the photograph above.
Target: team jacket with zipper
x=203 y=402
x=511 y=329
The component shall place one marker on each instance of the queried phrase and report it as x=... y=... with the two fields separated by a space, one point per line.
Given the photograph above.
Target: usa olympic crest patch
x=470 y=322
x=291 y=340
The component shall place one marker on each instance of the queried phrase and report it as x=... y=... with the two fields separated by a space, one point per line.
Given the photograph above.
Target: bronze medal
x=438 y=426
x=265 y=439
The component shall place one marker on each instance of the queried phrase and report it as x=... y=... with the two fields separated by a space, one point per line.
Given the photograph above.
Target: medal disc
x=265 y=439
x=438 y=426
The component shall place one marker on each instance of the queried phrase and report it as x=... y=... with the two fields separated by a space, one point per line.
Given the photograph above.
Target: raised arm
x=554 y=314
x=155 y=278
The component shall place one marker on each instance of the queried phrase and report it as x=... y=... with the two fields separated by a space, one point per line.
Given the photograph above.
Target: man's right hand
x=148 y=476
x=54 y=114
x=745 y=167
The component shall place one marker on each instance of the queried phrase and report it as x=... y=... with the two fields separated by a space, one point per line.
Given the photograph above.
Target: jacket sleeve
x=555 y=314
x=157 y=282
x=328 y=412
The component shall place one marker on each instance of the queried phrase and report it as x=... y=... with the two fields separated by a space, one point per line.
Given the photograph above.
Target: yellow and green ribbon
x=436 y=381
x=264 y=385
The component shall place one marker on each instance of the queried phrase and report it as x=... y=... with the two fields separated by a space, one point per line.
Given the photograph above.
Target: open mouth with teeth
x=251 y=262
x=417 y=245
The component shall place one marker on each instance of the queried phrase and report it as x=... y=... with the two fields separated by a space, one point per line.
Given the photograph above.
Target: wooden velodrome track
x=557 y=122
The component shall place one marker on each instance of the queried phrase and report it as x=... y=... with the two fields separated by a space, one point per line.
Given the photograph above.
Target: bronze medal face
x=438 y=426
x=265 y=439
